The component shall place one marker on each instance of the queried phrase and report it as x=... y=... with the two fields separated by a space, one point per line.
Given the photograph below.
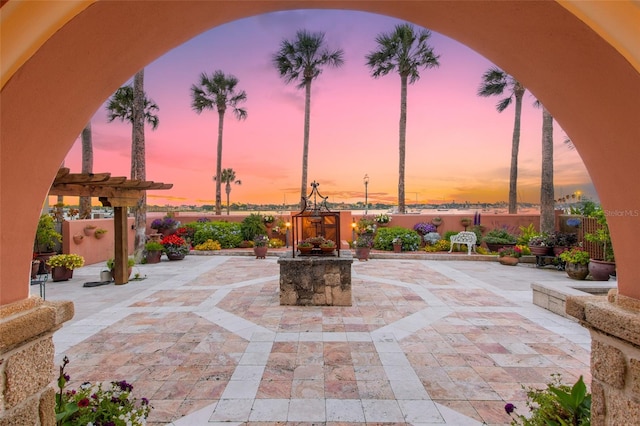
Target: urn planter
x=601 y=270
x=176 y=256
x=362 y=253
x=577 y=271
x=260 y=252
x=154 y=256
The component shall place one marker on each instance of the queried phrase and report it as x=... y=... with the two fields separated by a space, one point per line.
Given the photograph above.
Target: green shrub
x=385 y=236
x=500 y=236
x=526 y=233
x=252 y=226
x=228 y=234
x=153 y=246
x=448 y=234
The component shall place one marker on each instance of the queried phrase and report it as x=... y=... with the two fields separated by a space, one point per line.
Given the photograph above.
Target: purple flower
x=145 y=401
x=66 y=377
x=509 y=408
x=424 y=228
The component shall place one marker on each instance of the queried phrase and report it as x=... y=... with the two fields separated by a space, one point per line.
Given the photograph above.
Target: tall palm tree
x=228 y=177
x=302 y=60
x=218 y=92
x=131 y=104
x=87 y=167
x=404 y=50
x=547 y=196
x=496 y=82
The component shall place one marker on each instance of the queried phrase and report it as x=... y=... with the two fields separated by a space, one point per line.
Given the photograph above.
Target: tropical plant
x=260 y=241
x=46 y=235
x=384 y=238
x=228 y=177
x=494 y=83
x=218 y=92
x=130 y=103
x=251 y=226
x=302 y=60
x=153 y=246
x=69 y=261
x=526 y=233
x=98 y=404
x=404 y=50
x=575 y=255
x=111 y=263
x=558 y=404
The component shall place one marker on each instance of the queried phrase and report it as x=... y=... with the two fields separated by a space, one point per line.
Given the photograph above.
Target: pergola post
x=121 y=255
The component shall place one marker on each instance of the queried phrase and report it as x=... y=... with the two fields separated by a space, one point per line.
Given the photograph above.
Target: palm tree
x=228 y=177
x=87 y=167
x=547 y=196
x=131 y=104
x=302 y=60
x=404 y=50
x=218 y=92
x=494 y=83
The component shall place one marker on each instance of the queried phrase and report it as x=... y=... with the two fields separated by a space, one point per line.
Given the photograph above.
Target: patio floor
x=425 y=342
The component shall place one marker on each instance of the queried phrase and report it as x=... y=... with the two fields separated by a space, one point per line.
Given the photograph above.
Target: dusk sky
x=458 y=145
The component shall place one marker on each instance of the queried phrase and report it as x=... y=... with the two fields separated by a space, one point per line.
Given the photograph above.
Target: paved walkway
x=426 y=342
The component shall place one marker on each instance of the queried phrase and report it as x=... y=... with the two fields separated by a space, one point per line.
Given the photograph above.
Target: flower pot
x=305 y=250
x=327 y=250
x=89 y=230
x=560 y=249
x=176 y=256
x=397 y=248
x=436 y=221
x=60 y=273
x=540 y=250
x=508 y=260
x=154 y=256
x=601 y=270
x=577 y=271
x=497 y=247
x=113 y=276
x=35 y=267
x=43 y=257
x=157 y=237
x=362 y=253
x=260 y=252
x=99 y=235
x=78 y=239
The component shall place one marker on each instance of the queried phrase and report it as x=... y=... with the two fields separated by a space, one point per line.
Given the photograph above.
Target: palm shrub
x=385 y=236
x=252 y=226
x=228 y=234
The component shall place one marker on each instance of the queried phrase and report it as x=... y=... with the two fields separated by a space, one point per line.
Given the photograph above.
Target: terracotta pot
x=78 y=238
x=508 y=260
x=397 y=248
x=305 y=250
x=362 y=253
x=35 y=267
x=154 y=256
x=100 y=235
x=436 y=222
x=540 y=250
x=175 y=256
x=157 y=237
x=113 y=277
x=577 y=271
x=60 y=273
x=43 y=257
x=260 y=252
x=89 y=230
x=560 y=249
x=327 y=250
x=601 y=270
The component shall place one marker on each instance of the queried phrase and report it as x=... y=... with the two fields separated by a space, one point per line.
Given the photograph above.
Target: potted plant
x=466 y=222
x=111 y=264
x=260 y=246
x=601 y=269
x=175 y=248
x=577 y=263
x=509 y=255
x=436 y=221
x=78 y=239
x=397 y=245
x=62 y=266
x=424 y=228
x=540 y=245
x=251 y=226
x=99 y=233
x=268 y=220
x=165 y=226
x=47 y=238
x=328 y=246
x=382 y=219
x=305 y=247
x=316 y=241
x=563 y=241
x=498 y=238
x=154 y=251
x=363 y=246
x=366 y=226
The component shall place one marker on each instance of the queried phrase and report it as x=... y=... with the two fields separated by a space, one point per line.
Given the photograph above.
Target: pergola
x=116 y=192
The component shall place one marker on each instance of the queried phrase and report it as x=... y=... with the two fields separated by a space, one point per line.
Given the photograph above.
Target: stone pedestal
x=614 y=325
x=316 y=281
x=26 y=360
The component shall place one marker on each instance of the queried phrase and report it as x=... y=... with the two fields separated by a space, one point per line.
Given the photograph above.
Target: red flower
x=173 y=240
x=84 y=402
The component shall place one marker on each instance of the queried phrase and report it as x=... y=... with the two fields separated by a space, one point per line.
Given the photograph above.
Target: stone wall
x=614 y=325
x=26 y=360
x=316 y=280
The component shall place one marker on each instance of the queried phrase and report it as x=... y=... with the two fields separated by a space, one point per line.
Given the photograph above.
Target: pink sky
x=458 y=145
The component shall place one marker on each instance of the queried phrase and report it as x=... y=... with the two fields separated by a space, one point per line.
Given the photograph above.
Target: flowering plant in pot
x=154 y=251
x=260 y=241
x=69 y=261
x=424 y=228
x=601 y=269
x=509 y=255
x=382 y=218
x=316 y=241
x=499 y=237
x=540 y=245
x=98 y=404
x=366 y=226
x=268 y=219
x=175 y=247
x=577 y=263
x=165 y=224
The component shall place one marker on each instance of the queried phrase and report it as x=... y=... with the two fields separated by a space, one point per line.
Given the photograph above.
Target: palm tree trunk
x=228 y=191
x=87 y=167
x=547 y=196
x=402 y=142
x=138 y=165
x=305 y=146
x=219 y=162
x=515 y=146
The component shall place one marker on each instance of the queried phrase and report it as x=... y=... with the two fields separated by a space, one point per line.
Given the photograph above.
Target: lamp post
x=286 y=236
x=366 y=193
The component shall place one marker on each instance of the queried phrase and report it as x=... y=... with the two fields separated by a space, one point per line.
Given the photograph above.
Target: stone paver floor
x=426 y=342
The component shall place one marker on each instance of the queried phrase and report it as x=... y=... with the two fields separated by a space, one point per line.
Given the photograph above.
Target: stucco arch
x=78 y=52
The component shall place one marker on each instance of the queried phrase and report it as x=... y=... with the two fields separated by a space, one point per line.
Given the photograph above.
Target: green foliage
x=46 y=235
x=602 y=235
x=500 y=236
x=228 y=234
x=584 y=208
x=153 y=246
x=526 y=233
x=448 y=234
x=575 y=255
x=482 y=250
x=557 y=405
x=524 y=249
x=208 y=245
x=252 y=226
x=111 y=262
x=440 y=245
x=385 y=236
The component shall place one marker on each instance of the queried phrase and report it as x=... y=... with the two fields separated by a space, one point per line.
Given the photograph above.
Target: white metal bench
x=464 y=237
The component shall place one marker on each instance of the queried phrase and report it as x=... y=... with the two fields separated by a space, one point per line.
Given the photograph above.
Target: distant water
x=447 y=212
